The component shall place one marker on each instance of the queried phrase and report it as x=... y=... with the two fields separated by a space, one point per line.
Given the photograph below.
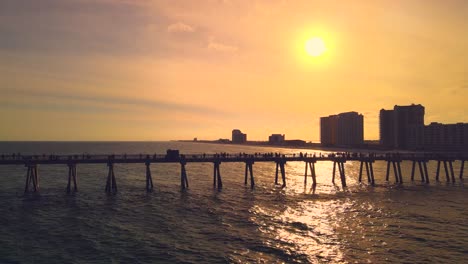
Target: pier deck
x=366 y=160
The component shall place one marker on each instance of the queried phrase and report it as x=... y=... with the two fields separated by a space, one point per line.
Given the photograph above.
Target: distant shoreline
x=315 y=146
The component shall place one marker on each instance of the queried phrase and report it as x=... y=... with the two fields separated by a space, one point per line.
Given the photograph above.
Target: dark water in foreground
x=413 y=223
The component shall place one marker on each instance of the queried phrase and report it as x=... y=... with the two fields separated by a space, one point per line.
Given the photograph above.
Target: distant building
x=276 y=139
x=238 y=137
x=387 y=130
x=328 y=126
x=402 y=127
x=345 y=129
x=439 y=136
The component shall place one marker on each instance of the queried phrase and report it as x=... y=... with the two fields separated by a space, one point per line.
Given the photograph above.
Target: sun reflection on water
x=306 y=229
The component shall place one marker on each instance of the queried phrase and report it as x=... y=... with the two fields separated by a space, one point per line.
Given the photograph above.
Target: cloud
x=180 y=27
x=214 y=45
x=16 y=98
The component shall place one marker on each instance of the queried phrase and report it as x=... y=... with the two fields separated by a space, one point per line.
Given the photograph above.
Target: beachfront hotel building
x=238 y=137
x=344 y=129
x=402 y=127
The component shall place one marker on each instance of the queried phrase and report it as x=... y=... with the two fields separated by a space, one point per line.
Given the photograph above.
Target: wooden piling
x=314 y=176
x=246 y=173
x=360 y=171
x=310 y=164
x=31 y=178
x=217 y=182
x=252 y=180
x=425 y=172
x=183 y=175
x=395 y=172
x=451 y=171
x=72 y=177
x=462 y=166
x=249 y=170
x=372 y=173
x=342 y=173
x=111 y=185
x=276 y=174
x=421 y=172
x=283 y=172
x=368 y=172
x=388 y=171
x=438 y=170
x=399 y=171
x=149 y=178
x=446 y=171
x=413 y=167
x=334 y=171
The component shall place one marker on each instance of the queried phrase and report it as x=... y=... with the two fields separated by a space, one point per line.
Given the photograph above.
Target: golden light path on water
x=319 y=223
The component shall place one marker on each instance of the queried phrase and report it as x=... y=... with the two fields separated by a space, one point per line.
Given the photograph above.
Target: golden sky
x=161 y=70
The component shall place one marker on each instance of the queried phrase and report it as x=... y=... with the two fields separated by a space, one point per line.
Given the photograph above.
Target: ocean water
x=409 y=223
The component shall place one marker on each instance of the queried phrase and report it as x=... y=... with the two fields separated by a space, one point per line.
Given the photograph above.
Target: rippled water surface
x=412 y=223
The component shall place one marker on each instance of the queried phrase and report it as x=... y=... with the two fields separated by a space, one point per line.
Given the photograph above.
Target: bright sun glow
x=315 y=46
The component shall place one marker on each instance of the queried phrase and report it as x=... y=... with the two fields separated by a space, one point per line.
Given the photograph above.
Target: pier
x=393 y=160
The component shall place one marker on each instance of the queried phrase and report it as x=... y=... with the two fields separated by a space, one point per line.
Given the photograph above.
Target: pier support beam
x=249 y=170
x=369 y=171
x=72 y=177
x=280 y=168
x=183 y=175
x=451 y=170
x=425 y=171
x=372 y=178
x=438 y=170
x=446 y=171
x=111 y=185
x=396 y=171
x=217 y=182
x=387 y=176
x=400 y=175
x=334 y=172
x=311 y=165
x=342 y=173
x=32 y=178
x=462 y=166
x=149 y=178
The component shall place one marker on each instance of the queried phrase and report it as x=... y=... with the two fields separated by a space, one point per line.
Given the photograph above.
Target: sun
x=315 y=46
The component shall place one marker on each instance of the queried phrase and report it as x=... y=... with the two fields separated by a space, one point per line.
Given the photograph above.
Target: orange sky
x=161 y=70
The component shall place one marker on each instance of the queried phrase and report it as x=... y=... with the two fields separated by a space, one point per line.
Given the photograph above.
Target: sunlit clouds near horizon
x=162 y=70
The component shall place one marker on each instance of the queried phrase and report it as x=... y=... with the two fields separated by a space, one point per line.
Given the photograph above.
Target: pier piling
x=183 y=175
x=462 y=166
x=111 y=185
x=217 y=182
x=438 y=170
x=334 y=172
x=311 y=165
x=249 y=170
x=149 y=178
x=425 y=171
x=446 y=171
x=32 y=178
x=342 y=173
x=72 y=177
x=451 y=171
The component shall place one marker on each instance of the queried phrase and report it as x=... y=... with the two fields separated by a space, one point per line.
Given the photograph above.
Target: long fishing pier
x=366 y=160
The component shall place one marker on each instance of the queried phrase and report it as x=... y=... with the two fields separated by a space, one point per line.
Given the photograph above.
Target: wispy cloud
x=107 y=103
x=180 y=27
x=217 y=46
